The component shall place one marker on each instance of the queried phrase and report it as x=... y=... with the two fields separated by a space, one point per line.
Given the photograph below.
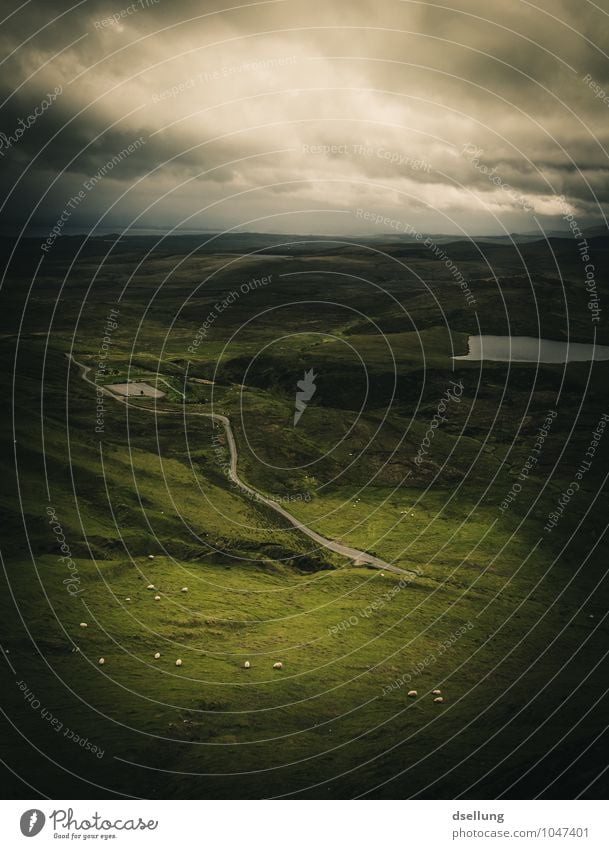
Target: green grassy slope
x=506 y=619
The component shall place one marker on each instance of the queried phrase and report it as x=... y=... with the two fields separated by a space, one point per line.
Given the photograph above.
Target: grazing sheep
x=246 y=665
x=412 y=694
x=157 y=655
x=101 y=661
x=184 y=590
x=150 y=587
x=278 y=665
x=128 y=598
x=178 y=662
x=83 y=625
x=436 y=692
x=157 y=598
x=438 y=700
x=151 y=557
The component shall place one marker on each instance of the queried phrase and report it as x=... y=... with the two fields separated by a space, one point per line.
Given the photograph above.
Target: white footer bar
x=304 y=824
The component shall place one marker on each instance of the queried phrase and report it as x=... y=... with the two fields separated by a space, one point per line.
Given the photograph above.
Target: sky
x=304 y=116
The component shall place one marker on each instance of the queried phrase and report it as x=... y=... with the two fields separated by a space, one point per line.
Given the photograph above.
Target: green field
x=507 y=619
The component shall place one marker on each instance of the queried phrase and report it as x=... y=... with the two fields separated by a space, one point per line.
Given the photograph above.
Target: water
x=529 y=349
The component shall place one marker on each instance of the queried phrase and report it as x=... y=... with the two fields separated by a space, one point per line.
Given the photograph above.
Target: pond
x=529 y=349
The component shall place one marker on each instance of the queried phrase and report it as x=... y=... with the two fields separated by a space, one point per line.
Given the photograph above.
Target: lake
x=529 y=349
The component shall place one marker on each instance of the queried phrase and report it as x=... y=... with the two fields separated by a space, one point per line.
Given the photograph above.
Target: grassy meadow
x=507 y=619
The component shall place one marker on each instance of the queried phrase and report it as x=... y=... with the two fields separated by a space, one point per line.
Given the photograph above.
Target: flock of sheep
x=439 y=698
x=157 y=655
x=412 y=694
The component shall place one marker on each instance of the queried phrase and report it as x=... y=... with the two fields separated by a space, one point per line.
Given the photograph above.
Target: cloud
x=274 y=108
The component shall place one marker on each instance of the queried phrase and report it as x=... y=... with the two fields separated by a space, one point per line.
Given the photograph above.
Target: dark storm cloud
x=286 y=106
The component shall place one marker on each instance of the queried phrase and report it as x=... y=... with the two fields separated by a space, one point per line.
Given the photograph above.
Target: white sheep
x=151 y=557
x=184 y=590
x=178 y=662
x=101 y=661
x=150 y=587
x=128 y=598
x=157 y=598
x=412 y=694
x=438 y=700
x=246 y=665
x=436 y=692
x=157 y=655
x=83 y=625
x=278 y=665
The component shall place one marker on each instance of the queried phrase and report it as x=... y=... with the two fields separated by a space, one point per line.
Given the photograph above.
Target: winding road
x=359 y=557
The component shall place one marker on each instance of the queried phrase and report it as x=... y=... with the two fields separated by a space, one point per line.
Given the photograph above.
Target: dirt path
x=359 y=557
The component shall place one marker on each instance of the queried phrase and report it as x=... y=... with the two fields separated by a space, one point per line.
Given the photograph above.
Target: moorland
x=102 y=499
